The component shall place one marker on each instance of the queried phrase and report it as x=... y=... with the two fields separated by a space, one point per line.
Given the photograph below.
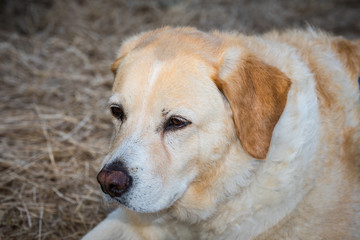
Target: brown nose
x=114 y=179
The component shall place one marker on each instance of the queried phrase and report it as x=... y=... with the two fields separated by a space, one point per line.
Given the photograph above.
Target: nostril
x=112 y=186
x=116 y=190
x=101 y=177
x=114 y=180
x=113 y=189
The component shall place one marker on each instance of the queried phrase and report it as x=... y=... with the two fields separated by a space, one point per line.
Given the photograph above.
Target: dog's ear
x=127 y=46
x=257 y=93
x=114 y=67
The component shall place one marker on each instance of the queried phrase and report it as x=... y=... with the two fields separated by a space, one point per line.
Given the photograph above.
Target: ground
x=55 y=126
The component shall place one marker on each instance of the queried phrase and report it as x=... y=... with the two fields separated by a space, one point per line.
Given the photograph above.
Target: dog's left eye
x=117 y=112
x=176 y=122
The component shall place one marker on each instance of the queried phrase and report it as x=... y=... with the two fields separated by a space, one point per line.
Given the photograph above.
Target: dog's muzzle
x=114 y=179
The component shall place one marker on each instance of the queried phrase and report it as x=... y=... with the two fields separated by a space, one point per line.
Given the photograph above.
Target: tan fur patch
x=349 y=53
x=351 y=149
x=257 y=93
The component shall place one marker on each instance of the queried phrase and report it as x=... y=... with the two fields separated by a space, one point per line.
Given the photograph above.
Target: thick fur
x=273 y=148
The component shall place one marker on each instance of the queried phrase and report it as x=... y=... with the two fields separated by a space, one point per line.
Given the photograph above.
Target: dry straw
x=54 y=84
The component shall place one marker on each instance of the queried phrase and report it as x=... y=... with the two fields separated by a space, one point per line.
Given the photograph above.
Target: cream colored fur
x=199 y=182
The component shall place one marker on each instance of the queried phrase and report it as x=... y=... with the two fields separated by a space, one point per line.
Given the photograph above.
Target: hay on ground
x=55 y=80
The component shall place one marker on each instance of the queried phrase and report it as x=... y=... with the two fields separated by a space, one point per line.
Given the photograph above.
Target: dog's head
x=180 y=98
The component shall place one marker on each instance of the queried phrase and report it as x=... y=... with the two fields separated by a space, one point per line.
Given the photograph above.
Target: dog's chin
x=150 y=208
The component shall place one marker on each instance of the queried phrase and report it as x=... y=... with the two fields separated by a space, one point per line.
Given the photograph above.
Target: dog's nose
x=114 y=179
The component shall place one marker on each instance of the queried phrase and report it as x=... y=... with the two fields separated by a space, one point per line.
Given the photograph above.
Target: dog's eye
x=176 y=122
x=117 y=112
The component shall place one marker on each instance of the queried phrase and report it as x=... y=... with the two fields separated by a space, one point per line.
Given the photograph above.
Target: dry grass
x=55 y=81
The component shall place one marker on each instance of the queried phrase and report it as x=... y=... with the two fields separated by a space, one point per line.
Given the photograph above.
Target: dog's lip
x=122 y=201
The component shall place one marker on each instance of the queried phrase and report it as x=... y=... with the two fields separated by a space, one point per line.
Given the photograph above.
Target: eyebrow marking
x=164 y=112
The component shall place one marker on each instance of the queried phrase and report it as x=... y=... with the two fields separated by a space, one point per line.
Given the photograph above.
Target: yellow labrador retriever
x=226 y=136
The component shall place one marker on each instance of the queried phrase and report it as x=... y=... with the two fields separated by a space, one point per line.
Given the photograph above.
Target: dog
x=226 y=136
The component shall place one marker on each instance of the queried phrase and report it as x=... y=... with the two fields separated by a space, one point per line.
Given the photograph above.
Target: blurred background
x=55 y=126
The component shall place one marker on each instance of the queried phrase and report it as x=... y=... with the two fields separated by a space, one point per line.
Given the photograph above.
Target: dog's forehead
x=168 y=44
x=179 y=76
x=169 y=47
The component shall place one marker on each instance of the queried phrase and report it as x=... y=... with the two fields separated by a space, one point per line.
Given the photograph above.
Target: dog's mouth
x=123 y=201
x=138 y=189
x=141 y=204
